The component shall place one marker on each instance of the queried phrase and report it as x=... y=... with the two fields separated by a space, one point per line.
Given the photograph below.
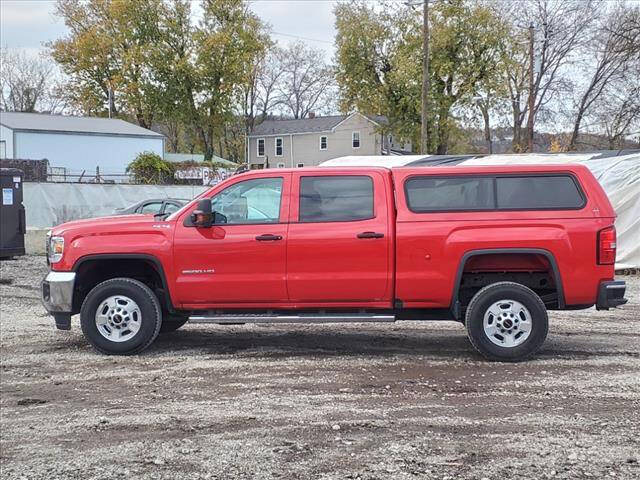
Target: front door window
x=252 y=201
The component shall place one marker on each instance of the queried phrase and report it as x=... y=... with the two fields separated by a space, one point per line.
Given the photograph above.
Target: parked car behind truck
x=493 y=247
x=155 y=206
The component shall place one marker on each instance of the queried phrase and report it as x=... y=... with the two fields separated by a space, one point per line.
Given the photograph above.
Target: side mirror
x=202 y=217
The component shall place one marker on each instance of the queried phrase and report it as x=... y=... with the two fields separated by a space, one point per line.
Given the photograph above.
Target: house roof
x=68 y=124
x=306 y=125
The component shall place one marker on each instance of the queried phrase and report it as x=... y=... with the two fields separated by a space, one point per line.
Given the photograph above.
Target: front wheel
x=507 y=321
x=120 y=316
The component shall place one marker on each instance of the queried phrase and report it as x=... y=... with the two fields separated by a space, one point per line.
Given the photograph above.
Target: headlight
x=56 y=249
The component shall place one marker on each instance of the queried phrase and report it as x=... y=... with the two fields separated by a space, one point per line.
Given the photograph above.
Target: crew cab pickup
x=492 y=247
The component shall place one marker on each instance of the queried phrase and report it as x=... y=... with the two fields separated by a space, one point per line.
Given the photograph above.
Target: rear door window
x=538 y=193
x=341 y=198
x=437 y=194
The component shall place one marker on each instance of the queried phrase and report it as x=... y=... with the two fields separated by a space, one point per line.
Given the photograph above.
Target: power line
x=301 y=38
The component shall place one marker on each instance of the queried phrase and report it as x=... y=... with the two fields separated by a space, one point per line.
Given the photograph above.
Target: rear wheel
x=507 y=322
x=120 y=316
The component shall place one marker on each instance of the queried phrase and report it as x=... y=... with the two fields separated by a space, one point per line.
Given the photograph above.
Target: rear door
x=338 y=248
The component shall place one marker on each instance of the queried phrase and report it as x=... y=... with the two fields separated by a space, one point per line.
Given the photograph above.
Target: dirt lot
x=388 y=401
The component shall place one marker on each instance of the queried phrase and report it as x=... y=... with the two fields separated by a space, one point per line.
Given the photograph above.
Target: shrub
x=149 y=168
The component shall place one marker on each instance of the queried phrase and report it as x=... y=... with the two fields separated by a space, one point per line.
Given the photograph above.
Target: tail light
x=607 y=246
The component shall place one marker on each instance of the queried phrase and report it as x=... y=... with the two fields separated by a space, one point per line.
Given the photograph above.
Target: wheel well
x=91 y=272
x=531 y=269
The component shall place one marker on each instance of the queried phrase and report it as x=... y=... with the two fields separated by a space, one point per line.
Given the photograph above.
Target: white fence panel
x=49 y=204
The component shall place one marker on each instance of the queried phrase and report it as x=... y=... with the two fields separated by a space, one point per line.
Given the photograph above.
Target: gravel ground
x=388 y=401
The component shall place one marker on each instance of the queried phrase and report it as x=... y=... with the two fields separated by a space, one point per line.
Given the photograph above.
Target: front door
x=339 y=249
x=240 y=261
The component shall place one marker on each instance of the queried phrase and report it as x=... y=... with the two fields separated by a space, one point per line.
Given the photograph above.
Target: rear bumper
x=611 y=294
x=57 y=297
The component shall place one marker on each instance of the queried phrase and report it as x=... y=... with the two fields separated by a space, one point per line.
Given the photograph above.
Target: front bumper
x=611 y=294
x=57 y=297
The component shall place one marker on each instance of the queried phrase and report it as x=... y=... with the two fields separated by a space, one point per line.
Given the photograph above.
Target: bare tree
x=616 y=112
x=628 y=27
x=615 y=54
x=561 y=29
x=261 y=93
x=29 y=83
x=249 y=97
x=307 y=81
x=270 y=81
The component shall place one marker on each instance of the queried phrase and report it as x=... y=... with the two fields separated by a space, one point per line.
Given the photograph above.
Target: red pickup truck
x=491 y=247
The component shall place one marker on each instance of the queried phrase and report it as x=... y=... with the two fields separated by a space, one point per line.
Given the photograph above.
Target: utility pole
x=531 y=87
x=424 y=134
x=110 y=100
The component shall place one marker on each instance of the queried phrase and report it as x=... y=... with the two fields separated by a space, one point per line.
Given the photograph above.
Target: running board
x=302 y=318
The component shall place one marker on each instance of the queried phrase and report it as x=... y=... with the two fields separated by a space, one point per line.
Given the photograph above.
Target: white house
x=310 y=141
x=75 y=143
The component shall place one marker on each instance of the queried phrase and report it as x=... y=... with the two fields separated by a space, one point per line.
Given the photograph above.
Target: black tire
x=171 y=323
x=150 y=311
x=487 y=297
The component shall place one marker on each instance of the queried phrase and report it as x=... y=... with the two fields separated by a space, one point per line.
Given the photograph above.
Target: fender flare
x=154 y=261
x=455 y=303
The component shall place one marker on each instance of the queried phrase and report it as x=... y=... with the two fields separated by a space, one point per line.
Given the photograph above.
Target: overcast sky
x=28 y=24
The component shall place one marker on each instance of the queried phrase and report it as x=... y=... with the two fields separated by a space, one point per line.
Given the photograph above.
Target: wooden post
x=532 y=98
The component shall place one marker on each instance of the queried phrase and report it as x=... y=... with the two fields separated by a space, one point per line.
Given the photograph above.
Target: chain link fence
x=188 y=174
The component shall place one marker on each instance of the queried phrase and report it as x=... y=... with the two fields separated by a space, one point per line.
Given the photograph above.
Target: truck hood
x=130 y=234
x=112 y=224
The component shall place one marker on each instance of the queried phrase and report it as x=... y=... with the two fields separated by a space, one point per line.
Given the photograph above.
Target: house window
x=3 y=149
x=300 y=165
x=279 y=146
x=280 y=164
x=323 y=142
x=261 y=147
x=355 y=139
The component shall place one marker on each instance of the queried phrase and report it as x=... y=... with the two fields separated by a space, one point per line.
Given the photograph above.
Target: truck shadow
x=436 y=343
x=330 y=342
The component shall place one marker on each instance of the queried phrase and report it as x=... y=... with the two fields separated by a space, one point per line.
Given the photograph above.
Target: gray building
x=311 y=141
x=75 y=143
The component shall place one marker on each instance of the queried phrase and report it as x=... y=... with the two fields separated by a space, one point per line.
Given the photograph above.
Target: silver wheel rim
x=507 y=323
x=118 y=318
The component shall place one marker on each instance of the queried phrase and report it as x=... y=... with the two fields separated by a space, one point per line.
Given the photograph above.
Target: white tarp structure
x=388 y=161
x=618 y=175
